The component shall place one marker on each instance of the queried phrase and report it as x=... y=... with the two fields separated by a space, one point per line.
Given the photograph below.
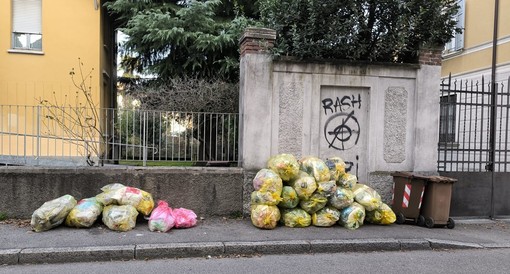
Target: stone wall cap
x=258 y=33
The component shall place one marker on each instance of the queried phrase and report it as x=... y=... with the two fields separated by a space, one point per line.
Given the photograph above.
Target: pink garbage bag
x=161 y=218
x=184 y=218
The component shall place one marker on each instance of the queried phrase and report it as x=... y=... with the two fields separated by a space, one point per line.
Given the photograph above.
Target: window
x=26 y=25
x=457 y=42
x=447 y=118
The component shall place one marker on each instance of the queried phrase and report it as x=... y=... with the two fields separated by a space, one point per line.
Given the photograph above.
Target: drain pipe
x=494 y=94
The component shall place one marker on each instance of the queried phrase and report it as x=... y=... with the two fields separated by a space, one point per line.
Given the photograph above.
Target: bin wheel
x=420 y=221
x=429 y=222
x=450 y=224
x=400 y=218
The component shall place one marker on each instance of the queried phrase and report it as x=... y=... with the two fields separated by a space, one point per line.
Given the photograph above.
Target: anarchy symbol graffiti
x=342 y=131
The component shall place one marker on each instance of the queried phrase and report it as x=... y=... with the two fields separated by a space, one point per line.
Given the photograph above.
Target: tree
x=77 y=120
x=369 y=30
x=182 y=38
x=200 y=38
x=204 y=104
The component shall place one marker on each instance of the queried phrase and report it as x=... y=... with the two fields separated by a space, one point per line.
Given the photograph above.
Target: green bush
x=369 y=30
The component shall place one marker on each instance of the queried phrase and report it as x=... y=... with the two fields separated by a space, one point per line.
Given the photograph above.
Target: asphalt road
x=453 y=261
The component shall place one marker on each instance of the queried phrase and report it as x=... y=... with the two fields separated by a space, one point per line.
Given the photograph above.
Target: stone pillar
x=430 y=56
x=255 y=97
x=428 y=80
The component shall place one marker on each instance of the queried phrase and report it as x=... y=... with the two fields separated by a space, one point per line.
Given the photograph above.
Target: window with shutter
x=26 y=25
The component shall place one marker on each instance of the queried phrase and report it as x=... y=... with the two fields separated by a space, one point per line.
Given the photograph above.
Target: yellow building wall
x=504 y=18
x=476 y=61
x=70 y=30
x=478 y=36
x=478 y=22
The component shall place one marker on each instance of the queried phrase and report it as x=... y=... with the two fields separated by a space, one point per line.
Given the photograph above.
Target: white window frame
x=26 y=24
x=457 y=42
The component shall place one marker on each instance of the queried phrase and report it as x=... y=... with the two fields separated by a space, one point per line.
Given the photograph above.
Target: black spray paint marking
x=350 y=165
x=341 y=104
x=342 y=131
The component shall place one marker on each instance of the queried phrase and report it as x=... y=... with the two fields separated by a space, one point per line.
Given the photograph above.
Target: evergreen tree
x=182 y=38
x=199 y=38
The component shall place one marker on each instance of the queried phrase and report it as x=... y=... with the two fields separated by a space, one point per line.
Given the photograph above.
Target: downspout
x=494 y=105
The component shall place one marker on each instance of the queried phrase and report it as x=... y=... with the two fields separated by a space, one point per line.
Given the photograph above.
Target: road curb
x=75 y=254
x=496 y=245
x=9 y=256
x=267 y=247
x=205 y=249
x=354 y=245
x=178 y=250
x=446 y=244
x=414 y=244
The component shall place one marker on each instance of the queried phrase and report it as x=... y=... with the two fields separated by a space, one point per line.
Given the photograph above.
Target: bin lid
x=434 y=178
x=442 y=179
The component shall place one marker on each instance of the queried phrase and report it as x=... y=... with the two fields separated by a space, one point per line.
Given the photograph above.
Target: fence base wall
x=207 y=191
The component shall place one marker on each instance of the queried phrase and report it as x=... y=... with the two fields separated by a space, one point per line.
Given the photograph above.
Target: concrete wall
x=207 y=191
x=379 y=118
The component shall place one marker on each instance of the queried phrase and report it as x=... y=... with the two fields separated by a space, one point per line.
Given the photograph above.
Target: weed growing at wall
x=76 y=119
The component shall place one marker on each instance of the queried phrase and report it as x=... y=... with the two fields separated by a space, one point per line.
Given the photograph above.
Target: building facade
x=469 y=55
x=41 y=42
x=475 y=110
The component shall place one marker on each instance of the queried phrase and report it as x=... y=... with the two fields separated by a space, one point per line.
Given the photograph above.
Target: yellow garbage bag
x=342 y=198
x=267 y=180
x=118 y=194
x=336 y=167
x=265 y=216
x=352 y=217
x=316 y=168
x=52 y=213
x=304 y=186
x=290 y=198
x=326 y=188
x=381 y=216
x=367 y=197
x=296 y=217
x=120 y=218
x=314 y=204
x=265 y=198
x=285 y=165
x=347 y=180
x=328 y=216
x=85 y=213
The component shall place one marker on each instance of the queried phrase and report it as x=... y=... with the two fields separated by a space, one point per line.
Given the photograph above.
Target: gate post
x=255 y=97
x=428 y=80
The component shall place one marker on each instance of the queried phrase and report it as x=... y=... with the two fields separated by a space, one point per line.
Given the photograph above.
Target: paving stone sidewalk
x=235 y=237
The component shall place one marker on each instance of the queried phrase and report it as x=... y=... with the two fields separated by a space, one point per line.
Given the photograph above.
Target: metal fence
x=466 y=116
x=38 y=135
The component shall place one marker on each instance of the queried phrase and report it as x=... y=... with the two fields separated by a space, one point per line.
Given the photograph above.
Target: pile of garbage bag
x=119 y=207
x=310 y=191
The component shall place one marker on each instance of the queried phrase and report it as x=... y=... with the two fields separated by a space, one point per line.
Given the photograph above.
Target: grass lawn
x=156 y=163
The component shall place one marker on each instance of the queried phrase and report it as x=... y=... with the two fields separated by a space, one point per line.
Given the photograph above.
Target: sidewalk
x=236 y=237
